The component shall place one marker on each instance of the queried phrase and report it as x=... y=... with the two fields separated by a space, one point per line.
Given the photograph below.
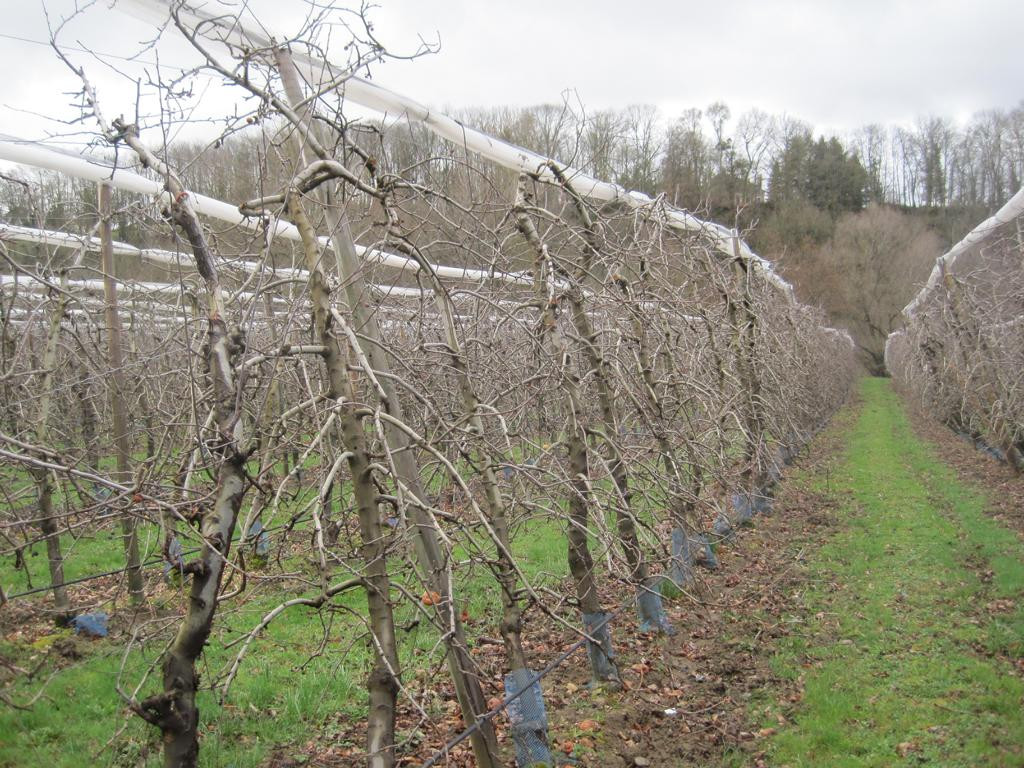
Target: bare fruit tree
x=353 y=394
x=962 y=344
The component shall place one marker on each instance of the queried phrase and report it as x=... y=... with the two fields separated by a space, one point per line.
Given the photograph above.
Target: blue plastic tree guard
x=528 y=718
x=602 y=657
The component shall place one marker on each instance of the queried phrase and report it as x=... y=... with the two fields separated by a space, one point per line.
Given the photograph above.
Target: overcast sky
x=835 y=63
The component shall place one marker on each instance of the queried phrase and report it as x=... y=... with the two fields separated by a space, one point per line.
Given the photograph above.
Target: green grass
x=286 y=692
x=893 y=641
x=274 y=701
x=904 y=656
x=85 y=555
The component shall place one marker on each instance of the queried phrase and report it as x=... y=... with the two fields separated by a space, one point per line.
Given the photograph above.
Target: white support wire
x=385 y=101
x=38 y=285
x=36 y=155
x=26 y=317
x=94 y=285
x=129 y=290
x=320 y=72
x=32 y=154
x=56 y=239
x=1013 y=208
x=37 y=290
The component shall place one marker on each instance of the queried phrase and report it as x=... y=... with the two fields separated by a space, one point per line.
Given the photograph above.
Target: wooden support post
x=116 y=384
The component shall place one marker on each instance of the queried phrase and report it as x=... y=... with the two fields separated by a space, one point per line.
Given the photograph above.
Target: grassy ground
x=902 y=649
x=907 y=640
x=301 y=677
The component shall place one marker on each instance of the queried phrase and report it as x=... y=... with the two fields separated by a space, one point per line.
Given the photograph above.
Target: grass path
x=909 y=642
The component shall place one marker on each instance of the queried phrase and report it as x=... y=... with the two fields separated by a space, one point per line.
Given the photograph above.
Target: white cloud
x=833 y=63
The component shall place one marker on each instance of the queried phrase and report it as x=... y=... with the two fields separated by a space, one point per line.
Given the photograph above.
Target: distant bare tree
x=876 y=258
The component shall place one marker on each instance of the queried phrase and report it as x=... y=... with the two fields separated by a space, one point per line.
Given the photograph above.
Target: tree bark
x=680 y=508
x=44 y=485
x=581 y=562
x=426 y=537
x=504 y=568
x=382 y=683
x=174 y=710
x=639 y=571
x=746 y=355
x=116 y=383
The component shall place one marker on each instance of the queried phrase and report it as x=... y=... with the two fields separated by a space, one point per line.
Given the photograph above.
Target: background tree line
x=854 y=221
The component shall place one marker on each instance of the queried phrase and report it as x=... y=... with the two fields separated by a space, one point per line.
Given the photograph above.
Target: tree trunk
x=581 y=562
x=647 y=588
x=118 y=407
x=44 y=486
x=87 y=419
x=382 y=684
x=174 y=710
x=54 y=557
x=680 y=509
x=426 y=537
x=746 y=355
x=505 y=570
